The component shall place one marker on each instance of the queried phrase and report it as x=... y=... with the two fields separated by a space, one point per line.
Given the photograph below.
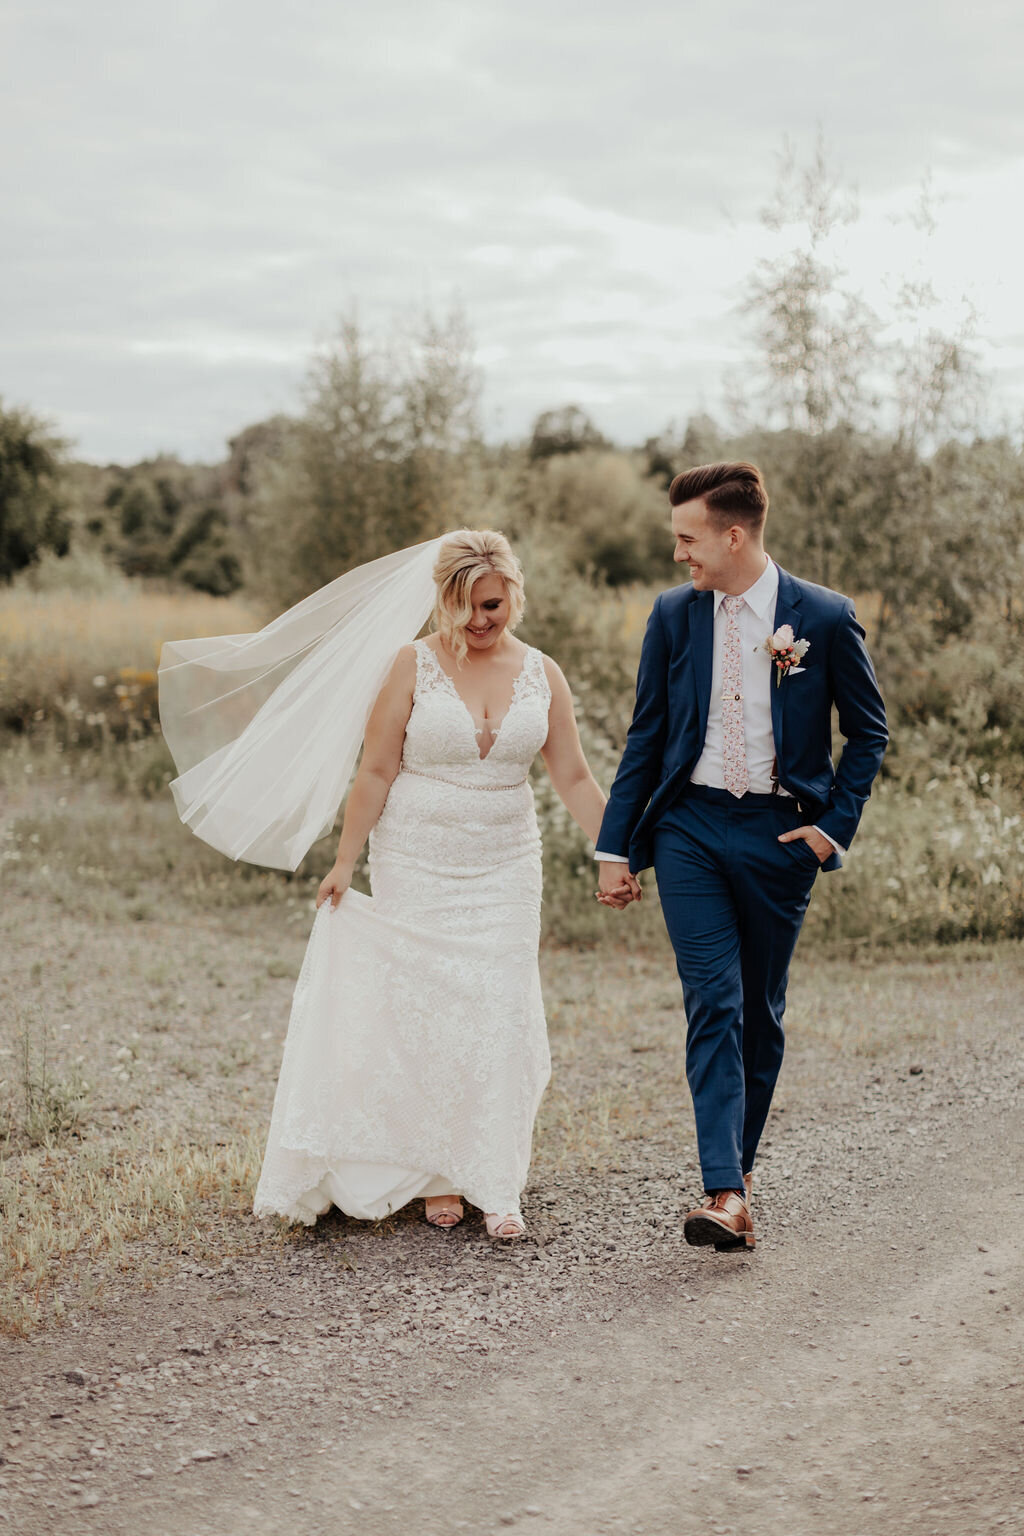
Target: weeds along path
x=182 y=1370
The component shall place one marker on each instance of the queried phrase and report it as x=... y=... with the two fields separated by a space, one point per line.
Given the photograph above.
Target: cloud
x=198 y=192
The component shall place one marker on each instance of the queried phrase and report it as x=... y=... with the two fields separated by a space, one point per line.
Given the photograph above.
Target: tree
x=171 y=520
x=380 y=458
x=817 y=340
x=568 y=429
x=668 y=453
x=608 y=517
x=860 y=398
x=204 y=555
x=33 y=501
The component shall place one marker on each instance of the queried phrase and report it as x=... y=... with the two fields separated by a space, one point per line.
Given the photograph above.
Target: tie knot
x=732 y=605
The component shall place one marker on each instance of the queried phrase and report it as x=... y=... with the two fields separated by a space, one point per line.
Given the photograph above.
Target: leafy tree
x=668 y=453
x=251 y=449
x=817 y=340
x=859 y=399
x=566 y=430
x=978 y=536
x=935 y=378
x=204 y=555
x=33 y=498
x=382 y=456
x=601 y=510
x=171 y=520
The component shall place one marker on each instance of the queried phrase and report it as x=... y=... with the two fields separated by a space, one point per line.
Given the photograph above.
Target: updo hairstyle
x=463 y=558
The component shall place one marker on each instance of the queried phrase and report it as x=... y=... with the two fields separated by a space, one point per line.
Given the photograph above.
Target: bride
x=417 y=1053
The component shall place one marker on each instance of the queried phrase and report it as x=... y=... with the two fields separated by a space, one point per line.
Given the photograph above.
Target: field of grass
x=87 y=662
x=940 y=855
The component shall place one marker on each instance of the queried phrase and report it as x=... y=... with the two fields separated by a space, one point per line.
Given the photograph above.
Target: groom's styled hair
x=732 y=493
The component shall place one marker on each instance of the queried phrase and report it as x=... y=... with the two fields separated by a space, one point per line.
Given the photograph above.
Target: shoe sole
x=703 y=1232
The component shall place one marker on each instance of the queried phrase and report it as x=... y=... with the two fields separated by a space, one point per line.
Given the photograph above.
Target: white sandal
x=505 y=1228
x=447 y=1215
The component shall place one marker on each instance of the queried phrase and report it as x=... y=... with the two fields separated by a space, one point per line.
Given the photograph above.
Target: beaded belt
x=454 y=783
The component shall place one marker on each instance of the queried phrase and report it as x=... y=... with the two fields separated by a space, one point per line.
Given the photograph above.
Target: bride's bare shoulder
x=554 y=674
x=402 y=676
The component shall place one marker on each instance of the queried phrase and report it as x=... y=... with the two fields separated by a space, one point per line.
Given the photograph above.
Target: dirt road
x=862 y=1371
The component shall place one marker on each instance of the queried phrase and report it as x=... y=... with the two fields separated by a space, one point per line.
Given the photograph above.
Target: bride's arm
x=382 y=758
x=563 y=754
x=570 y=774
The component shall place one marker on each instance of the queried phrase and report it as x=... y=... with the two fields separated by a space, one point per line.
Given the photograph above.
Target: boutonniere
x=785 y=650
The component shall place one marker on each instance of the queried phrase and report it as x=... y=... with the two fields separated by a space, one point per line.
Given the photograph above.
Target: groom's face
x=708 y=551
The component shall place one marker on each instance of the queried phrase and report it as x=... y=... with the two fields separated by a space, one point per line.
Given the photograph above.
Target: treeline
x=939 y=532
x=931 y=543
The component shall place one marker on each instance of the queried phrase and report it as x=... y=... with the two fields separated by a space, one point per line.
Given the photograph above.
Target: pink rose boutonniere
x=786 y=651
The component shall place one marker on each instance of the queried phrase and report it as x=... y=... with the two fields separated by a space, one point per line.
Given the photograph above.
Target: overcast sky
x=193 y=193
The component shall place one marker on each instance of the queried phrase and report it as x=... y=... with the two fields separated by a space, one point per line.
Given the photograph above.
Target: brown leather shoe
x=722 y=1220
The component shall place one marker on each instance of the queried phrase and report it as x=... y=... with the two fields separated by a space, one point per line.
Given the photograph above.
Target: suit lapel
x=702 y=642
x=787 y=611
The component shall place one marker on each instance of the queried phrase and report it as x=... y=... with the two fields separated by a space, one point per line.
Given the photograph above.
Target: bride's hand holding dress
x=378 y=769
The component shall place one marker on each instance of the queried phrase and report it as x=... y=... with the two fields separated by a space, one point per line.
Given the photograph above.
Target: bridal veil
x=265 y=728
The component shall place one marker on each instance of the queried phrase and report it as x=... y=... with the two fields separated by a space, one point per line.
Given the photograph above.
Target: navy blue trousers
x=734 y=899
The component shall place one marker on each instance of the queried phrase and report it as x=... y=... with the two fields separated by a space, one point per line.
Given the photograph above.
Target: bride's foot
x=444 y=1210
x=507 y=1227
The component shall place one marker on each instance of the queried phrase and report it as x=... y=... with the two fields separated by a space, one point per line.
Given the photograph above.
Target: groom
x=727 y=787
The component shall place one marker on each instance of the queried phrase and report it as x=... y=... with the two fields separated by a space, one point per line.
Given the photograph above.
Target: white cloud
x=198 y=192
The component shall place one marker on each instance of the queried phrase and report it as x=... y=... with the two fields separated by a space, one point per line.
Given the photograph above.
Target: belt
x=455 y=783
x=726 y=797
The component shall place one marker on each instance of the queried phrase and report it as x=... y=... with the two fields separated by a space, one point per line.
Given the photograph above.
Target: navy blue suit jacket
x=673 y=691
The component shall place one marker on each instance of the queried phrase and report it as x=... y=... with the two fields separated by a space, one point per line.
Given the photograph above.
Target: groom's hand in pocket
x=616 y=887
x=819 y=846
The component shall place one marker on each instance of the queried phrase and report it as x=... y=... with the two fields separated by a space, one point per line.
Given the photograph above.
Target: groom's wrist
x=610 y=858
x=837 y=846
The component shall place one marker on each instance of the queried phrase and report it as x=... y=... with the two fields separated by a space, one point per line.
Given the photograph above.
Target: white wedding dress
x=417 y=1050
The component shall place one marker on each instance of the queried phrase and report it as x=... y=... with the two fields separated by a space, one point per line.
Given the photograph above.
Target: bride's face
x=490 y=612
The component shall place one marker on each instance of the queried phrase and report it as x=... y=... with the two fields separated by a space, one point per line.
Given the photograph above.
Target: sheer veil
x=265 y=728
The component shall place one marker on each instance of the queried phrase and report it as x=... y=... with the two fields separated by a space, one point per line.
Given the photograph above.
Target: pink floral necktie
x=734 y=746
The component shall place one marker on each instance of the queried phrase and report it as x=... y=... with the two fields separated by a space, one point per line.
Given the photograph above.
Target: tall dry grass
x=88 y=660
x=939 y=855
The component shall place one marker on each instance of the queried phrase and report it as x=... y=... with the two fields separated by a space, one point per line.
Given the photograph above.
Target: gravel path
x=861 y=1371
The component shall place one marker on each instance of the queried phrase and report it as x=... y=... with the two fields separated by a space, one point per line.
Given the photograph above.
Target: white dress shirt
x=756 y=621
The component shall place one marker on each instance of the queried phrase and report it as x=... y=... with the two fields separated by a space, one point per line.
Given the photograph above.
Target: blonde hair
x=463 y=558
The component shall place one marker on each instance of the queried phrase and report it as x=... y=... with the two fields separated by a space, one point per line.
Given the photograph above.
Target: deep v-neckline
x=479 y=730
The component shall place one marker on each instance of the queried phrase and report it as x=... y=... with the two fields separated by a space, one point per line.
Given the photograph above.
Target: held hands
x=334 y=884
x=616 y=886
x=819 y=846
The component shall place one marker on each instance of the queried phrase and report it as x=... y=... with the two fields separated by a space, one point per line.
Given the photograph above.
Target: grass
x=71 y=1214
x=50 y=1106
x=940 y=854
x=88 y=661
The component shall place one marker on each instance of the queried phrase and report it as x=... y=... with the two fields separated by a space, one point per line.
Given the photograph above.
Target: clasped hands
x=616 y=887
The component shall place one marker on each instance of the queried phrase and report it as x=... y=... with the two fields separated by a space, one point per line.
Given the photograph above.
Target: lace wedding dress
x=417 y=1050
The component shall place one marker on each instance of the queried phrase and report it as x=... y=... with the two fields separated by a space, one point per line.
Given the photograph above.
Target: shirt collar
x=760 y=598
